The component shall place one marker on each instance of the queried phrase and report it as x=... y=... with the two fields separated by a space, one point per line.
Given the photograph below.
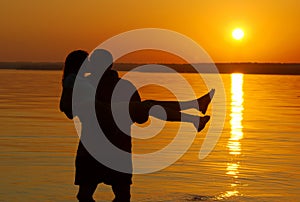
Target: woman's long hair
x=73 y=62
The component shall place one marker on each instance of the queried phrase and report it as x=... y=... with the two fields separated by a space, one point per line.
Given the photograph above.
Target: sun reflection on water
x=236 y=133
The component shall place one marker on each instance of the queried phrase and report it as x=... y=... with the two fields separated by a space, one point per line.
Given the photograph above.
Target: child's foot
x=204 y=101
x=202 y=123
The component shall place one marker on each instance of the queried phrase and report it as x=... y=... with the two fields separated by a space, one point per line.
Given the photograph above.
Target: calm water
x=256 y=158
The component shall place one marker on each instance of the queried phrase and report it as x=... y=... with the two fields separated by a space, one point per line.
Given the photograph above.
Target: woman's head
x=101 y=58
x=73 y=62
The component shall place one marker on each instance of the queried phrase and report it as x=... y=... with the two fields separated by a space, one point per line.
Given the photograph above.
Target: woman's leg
x=122 y=192
x=86 y=191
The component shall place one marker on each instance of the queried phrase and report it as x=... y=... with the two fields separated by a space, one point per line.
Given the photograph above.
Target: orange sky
x=36 y=30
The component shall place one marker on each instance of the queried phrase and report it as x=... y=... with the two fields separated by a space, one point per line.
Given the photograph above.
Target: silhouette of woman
x=90 y=172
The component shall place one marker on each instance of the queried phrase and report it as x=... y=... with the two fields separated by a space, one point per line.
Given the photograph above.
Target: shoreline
x=246 y=68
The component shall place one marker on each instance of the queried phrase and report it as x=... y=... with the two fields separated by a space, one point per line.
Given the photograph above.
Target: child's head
x=73 y=62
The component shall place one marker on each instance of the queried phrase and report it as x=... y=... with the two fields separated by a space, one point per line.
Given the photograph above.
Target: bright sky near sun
x=36 y=30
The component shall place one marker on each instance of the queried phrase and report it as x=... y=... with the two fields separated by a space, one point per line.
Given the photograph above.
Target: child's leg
x=175 y=115
x=204 y=101
x=198 y=122
x=201 y=103
x=85 y=193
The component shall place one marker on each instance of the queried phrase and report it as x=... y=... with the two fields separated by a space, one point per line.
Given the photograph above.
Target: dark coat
x=88 y=169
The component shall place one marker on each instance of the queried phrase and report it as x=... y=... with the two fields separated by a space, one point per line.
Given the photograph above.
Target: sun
x=238 y=34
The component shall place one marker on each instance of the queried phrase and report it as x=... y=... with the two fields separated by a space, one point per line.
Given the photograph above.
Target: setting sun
x=238 y=34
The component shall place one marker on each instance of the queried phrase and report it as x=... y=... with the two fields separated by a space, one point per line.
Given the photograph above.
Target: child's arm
x=65 y=104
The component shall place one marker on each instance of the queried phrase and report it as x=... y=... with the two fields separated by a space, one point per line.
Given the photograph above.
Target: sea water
x=255 y=159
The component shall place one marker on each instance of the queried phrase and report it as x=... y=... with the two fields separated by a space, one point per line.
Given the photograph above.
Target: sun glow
x=234 y=142
x=238 y=34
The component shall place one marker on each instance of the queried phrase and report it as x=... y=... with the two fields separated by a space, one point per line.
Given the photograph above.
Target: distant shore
x=247 y=68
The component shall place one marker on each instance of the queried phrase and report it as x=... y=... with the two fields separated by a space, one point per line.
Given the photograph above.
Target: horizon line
x=50 y=62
